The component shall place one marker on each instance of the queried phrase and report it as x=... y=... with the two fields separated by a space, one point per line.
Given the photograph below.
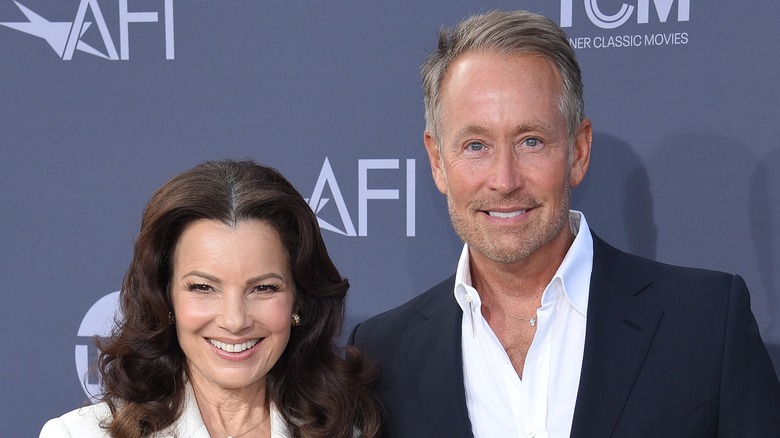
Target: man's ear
x=434 y=156
x=581 y=153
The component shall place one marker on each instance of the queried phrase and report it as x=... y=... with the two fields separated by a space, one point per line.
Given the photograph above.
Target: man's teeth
x=234 y=348
x=506 y=214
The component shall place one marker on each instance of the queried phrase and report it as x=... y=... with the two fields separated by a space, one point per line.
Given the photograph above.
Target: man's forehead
x=494 y=56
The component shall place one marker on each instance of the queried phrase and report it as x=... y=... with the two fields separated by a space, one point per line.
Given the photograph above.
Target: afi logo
x=65 y=37
x=98 y=321
x=605 y=20
x=317 y=202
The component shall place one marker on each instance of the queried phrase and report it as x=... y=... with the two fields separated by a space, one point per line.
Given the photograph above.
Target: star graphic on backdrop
x=56 y=33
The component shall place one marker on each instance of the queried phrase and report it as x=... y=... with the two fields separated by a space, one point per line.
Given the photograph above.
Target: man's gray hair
x=509 y=34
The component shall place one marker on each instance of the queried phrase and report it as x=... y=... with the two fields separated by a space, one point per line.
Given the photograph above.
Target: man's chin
x=504 y=254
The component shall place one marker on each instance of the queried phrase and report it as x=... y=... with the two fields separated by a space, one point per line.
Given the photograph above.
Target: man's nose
x=505 y=170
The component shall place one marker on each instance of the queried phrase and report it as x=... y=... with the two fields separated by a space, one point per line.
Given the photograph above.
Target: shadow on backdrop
x=615 y=197
x=700 y=192
x=714 y=202
x=764 y=203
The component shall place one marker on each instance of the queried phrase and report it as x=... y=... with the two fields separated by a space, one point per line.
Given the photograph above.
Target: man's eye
x=475 y=146
x=532 y=142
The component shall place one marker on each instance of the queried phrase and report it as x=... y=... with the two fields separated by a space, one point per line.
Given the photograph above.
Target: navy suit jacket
x=669 y=352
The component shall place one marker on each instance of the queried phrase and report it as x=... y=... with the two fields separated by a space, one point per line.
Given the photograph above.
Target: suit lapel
x=434 y=356
x=620 y=327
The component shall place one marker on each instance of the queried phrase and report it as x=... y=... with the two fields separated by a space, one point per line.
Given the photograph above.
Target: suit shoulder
x=424 y=304
x=681 y=273
x=81 y=422
x=665 y=284
x=658 y=271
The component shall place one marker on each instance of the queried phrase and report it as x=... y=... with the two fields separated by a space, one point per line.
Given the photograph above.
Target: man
x=545 y=330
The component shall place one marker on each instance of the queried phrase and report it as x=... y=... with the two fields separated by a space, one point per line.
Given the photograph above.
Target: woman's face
x=233 y=298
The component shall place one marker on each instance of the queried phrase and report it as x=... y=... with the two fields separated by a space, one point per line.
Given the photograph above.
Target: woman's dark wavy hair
x=318 y=392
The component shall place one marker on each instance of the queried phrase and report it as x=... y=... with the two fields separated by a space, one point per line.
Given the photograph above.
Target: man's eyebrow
x=480 y=130
x=472 y=130
x=544 y=128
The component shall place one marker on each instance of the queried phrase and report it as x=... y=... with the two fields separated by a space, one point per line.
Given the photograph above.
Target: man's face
x=503 y=162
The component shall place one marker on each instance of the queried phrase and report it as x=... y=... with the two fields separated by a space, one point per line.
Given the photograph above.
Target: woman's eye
x=266 y=288
x=475 y=146
x=199 y=287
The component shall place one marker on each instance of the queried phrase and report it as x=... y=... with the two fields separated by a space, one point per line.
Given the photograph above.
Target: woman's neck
x=242 y=412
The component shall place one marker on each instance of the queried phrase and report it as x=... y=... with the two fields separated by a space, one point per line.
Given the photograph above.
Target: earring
x=171 y=319
x=296 y=320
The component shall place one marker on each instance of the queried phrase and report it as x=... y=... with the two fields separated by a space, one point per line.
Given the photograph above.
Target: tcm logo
x=65 y=37
x=607 y=20
x=98 y=321
x=365 y=194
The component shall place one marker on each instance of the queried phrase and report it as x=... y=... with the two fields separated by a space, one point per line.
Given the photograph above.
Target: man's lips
x=505 y=214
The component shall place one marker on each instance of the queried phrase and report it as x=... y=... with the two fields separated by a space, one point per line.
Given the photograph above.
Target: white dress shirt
x=541 y=405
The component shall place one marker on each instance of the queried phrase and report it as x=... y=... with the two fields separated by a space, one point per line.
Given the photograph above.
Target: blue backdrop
x=103 y=100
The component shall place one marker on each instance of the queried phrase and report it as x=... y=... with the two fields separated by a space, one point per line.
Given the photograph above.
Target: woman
x=231 y=308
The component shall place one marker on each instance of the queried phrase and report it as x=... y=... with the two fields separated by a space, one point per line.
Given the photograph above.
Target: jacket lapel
x=620 y=328
x=190 y=423
x=434 y=356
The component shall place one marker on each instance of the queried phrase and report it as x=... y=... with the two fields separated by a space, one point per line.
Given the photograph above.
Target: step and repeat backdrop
x=103 y=100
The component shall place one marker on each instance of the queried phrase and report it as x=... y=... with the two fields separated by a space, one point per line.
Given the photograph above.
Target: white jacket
x=85 y=423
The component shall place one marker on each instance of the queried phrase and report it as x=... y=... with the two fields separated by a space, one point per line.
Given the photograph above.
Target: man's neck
x=523 y=280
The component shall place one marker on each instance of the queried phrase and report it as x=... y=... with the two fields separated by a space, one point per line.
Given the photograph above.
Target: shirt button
x=530 y=434
x=468 y=298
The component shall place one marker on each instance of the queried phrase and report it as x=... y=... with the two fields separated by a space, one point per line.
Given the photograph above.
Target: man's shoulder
x=427 y=302
x=405 y=316
x=611 y=259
